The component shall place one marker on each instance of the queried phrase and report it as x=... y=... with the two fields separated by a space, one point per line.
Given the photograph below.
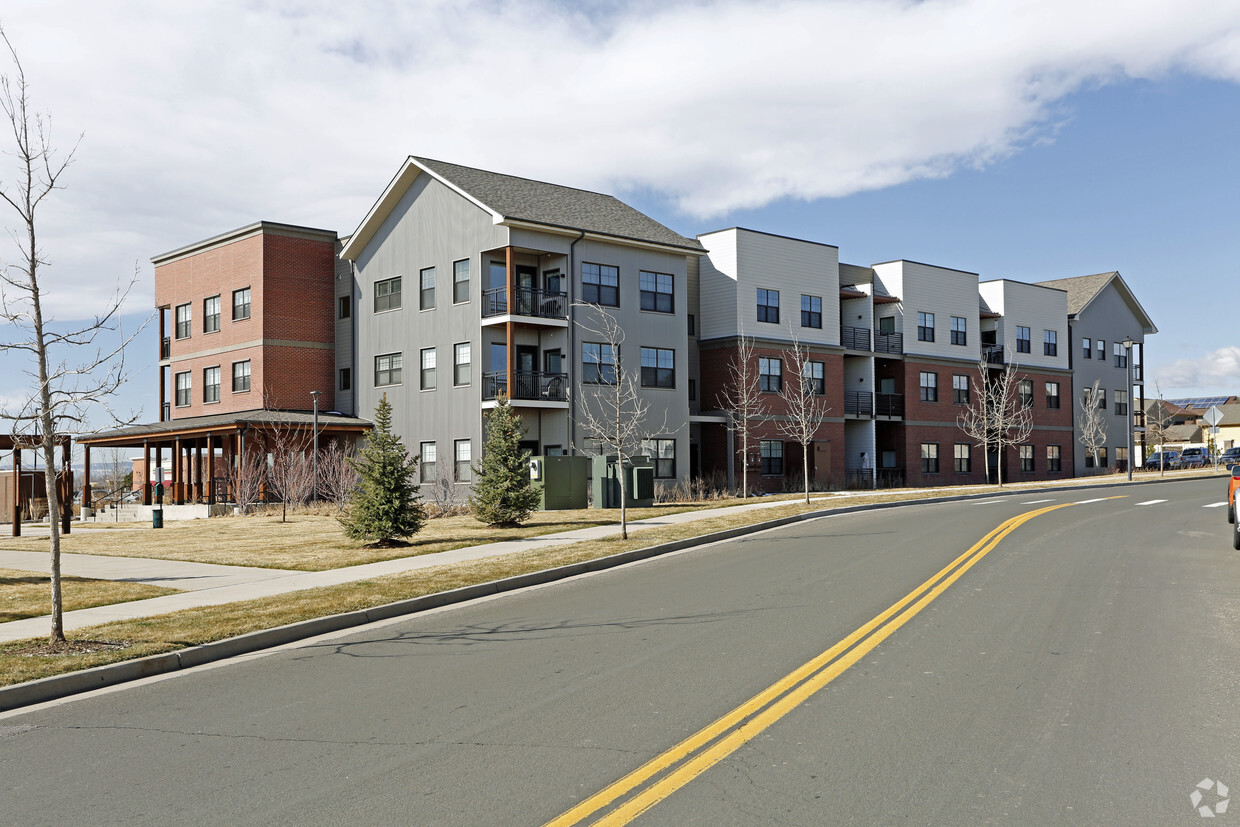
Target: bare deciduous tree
x=290 y=474
x=613 y=412
x=1092 y=423
x=337 y=475
x=442 y=491
x=246 y=477
x=996 y=416
x=742 y=400
x=73 y=367
x=804 y=403
x=1158 y=424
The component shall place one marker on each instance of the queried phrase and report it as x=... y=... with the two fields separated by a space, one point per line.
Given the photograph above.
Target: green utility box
x=639 y=482
x=564 y=481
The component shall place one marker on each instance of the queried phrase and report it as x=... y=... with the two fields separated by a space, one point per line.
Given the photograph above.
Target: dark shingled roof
x=1080 y=289
x=552 y=205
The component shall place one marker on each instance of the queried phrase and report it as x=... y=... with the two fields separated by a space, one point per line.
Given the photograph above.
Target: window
x=1050 y=343
x=692 y=390
x=460 y=281
x=346 y=379
x=211 y=384
x=1121 y=403
x=1022 y=339
x=1024 y=389
x=959 y=330
x=964 y=458
x=460 y=364
x=1102 y=350
x=387 y=294
x=1053 y=462
x=930 y=458
x=1052 y=394
x=427 y=376
x=241 y=304
x=663 y=452
x=183 y=389
x=463 y=454
x=427 y=278
x=772 y=453
x=387 y=369
x=925 y=327
x=1102 y=457
x=241 y=376
x=1121 y=458
x=811 y=311
x=770 y=374
x=960 y=389
x=184 y=319
x=658 y=292
x=1102 y=399
x=814 y=379
x=1026 y=458
x=426 y=465
x=211 y=315
x=598 y=363
x=768 y=305
x=344 y=307
x=929 y=387
x=887 y=324
x=1121 y=358
x=1087 y=348
x=692 y=324
x=658 y=367
x=600 y=284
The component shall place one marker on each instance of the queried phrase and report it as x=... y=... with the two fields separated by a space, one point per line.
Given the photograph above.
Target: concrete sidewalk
x=211 y=585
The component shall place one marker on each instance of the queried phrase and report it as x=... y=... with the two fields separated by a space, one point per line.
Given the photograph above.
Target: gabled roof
x=521 y=201
x=1082 y=290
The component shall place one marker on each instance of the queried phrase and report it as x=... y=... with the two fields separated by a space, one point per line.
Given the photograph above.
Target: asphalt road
x=1081 y=671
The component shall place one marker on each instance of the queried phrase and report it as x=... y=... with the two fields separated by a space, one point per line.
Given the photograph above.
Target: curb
x=61 y=686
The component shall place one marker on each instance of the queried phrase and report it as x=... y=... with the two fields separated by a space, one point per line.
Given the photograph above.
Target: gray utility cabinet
x=639 y=482
x=563 y=482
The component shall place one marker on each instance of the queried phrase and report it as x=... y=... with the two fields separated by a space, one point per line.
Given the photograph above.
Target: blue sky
x=1029 y=139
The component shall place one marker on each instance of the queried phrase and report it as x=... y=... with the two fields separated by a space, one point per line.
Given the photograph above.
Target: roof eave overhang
x=518 y=223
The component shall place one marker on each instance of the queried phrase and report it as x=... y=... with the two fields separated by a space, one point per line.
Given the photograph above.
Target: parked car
x=1195 y=458
x=1230 y=457
x=1167 y=459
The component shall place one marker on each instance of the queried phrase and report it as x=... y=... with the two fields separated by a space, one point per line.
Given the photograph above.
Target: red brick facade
x=288 y=336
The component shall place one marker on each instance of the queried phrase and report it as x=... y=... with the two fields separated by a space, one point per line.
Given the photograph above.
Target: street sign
x=1213 y=416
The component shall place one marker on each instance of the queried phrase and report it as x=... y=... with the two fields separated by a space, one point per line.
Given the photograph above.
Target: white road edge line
x=1035 y=502
x=986 y=502
x=1152 y=502
x=1097 y=500
x=1215 y=505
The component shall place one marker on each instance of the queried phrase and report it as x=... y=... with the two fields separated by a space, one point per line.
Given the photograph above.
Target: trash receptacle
x=157 y=518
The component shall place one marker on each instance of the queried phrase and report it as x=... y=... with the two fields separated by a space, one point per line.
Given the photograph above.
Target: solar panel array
x=1200 y=402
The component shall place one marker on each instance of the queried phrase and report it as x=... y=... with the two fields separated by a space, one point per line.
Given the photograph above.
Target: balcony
x=889 y=404
x=165 y=348
x=855 y=338
x=859 y=403
x=528 y=301
x=530 y=385
x=165 y=413
x=889 y=343
x=992 y=354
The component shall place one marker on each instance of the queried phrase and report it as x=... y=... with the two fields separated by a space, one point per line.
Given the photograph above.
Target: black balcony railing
x=166 y=413
x=527 y=301
x=889 y=404
x=863 y=478
x=992 y=354
x=890 y=477
x=889 y=343
x=552 y=387
x=165 y=348
x=859 y=403
x=855 y=338
x=1138 y=374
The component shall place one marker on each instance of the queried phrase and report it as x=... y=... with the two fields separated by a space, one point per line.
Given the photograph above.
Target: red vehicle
x=1232 y=485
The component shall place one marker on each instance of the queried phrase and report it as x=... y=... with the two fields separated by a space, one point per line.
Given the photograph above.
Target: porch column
x=146 y=472
x=66 y=502
x=86 y=500
x=210 y=469
x=511 y=267
x=17 y=490
x=178 y=491
x=159 y=467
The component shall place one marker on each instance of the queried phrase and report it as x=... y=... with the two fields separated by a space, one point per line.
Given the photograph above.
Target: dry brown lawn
x=26 y=594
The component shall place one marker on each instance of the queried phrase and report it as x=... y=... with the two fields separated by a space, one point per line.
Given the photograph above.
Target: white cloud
x=1217 y=371
x=204 y=117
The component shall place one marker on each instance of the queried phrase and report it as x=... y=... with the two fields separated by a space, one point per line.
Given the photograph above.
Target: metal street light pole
x=1128 y=343
x=314 y=495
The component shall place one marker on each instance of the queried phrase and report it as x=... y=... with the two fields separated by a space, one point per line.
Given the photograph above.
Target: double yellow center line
x=668 y=772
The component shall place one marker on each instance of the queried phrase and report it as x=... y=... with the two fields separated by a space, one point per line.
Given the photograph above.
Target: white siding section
x=938 y=290
x=717 y=283
x=1038 y=308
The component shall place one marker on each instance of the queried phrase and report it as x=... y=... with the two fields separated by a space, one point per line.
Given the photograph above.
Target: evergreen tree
x=502 y=494
x=386 y=507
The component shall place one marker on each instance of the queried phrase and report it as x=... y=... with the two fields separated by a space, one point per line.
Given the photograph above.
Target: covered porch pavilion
x=196 y=447
x=64 y=478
